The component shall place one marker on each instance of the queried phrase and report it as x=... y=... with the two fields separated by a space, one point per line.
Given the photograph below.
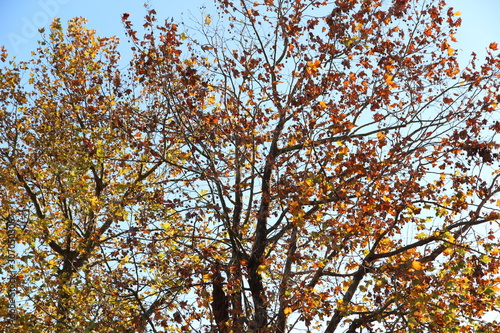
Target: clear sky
x=20 y=19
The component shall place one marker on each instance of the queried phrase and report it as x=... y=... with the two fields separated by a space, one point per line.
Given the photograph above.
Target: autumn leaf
x=388 y=80
x=208 y=20
x=416 y=265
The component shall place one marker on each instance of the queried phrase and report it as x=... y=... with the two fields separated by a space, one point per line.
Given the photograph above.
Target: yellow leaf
x=206 y=277
x=457 y=13
x=421 y=235
x=288 y=310
x=485 y=259
x=449 y=251
x=94 y=201
x=450 y=51
x=416 y=265
x=208 y=19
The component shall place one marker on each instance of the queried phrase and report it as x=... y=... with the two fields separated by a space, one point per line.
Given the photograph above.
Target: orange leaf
x=380 y=135
x=416 y=265
x=388 y=79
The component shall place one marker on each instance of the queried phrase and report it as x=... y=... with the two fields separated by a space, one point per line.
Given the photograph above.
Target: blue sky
x=19 y=20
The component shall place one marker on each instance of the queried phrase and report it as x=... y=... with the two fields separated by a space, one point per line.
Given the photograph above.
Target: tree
x=306 y=165
x=83 y=188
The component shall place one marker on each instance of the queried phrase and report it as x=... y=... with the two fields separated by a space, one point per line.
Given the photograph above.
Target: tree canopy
x=285 y=166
